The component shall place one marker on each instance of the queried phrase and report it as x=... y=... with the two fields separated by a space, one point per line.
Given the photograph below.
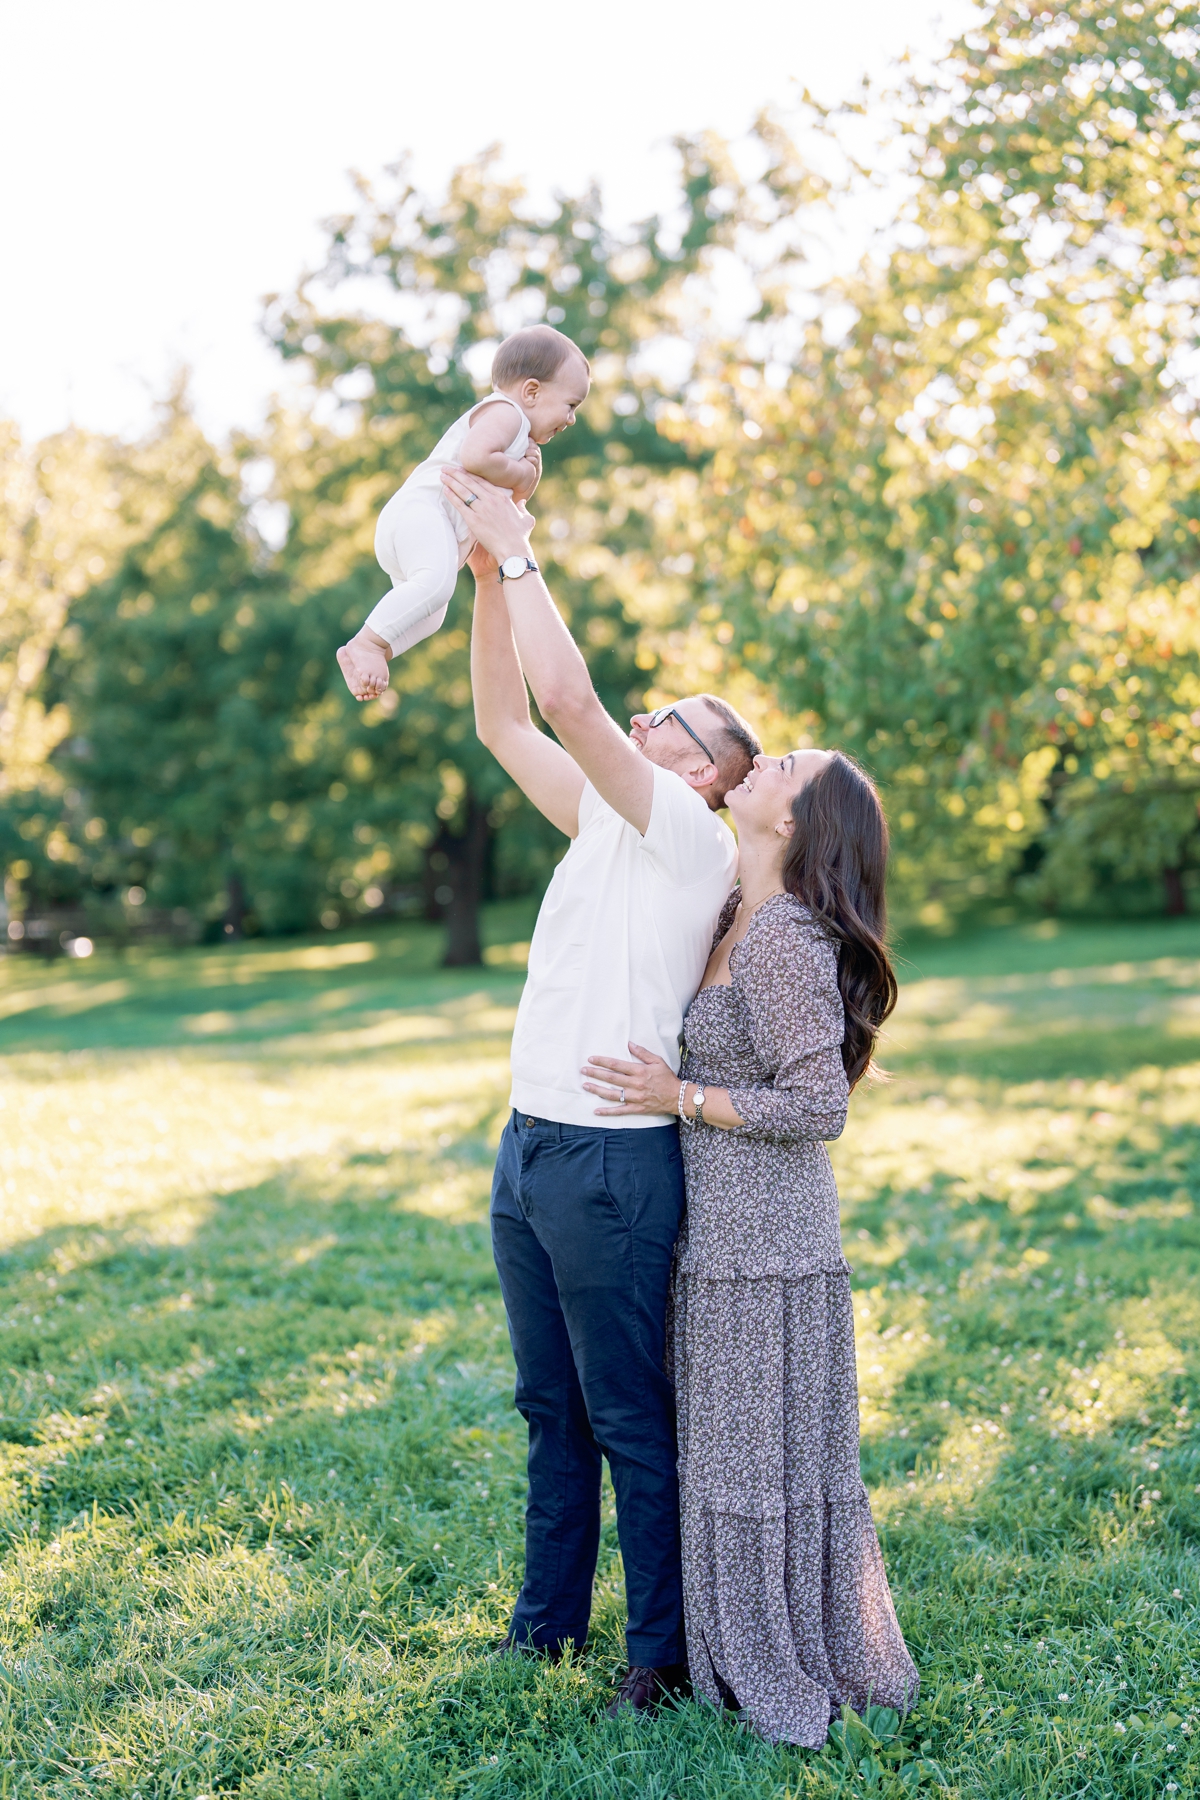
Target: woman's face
x=762 y=803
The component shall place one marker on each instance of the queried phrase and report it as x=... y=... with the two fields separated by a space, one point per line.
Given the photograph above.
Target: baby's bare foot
x=364 y=666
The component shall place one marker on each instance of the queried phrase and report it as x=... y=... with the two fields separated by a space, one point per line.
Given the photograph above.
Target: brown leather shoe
x=644 y=1690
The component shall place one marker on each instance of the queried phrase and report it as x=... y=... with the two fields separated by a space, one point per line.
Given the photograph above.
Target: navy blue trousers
x=584 y=1221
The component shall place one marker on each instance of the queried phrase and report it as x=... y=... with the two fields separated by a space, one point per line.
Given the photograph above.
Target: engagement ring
x=470 y=499
x=622 y=1096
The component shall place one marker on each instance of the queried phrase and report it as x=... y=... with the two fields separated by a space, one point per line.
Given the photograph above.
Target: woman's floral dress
x=787 y=1603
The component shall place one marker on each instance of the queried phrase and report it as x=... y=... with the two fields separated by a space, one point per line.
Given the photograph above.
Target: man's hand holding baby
x=497 y=522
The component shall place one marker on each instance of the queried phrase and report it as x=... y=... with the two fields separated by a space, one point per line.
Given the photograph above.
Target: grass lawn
x=261 y=1480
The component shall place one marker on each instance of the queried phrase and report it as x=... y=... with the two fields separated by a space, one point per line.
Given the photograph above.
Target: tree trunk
x=435 y=881
x=1174 y=892
x=466 y=854
x=235 y=905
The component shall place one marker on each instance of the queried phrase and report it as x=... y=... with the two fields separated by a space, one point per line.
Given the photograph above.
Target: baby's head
x=546 y=374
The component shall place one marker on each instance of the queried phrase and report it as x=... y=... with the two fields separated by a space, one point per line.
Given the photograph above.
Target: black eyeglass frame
x=663 y=713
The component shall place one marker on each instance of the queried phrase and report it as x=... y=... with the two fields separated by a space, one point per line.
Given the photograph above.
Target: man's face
x=668 y=744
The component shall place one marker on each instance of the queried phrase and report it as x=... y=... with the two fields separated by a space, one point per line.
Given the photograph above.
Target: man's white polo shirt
x=620 y=947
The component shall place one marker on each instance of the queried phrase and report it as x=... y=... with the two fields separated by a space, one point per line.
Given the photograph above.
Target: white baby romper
x=422 y=542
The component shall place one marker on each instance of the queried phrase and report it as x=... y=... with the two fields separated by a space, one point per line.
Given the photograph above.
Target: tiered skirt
x=789 y=1614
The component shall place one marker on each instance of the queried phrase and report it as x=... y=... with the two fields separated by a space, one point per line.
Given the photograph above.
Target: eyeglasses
x=672 y=712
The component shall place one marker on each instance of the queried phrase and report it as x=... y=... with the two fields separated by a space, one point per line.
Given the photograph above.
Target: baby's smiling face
x=550 y=406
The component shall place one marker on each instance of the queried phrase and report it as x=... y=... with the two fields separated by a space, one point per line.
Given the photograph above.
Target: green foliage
x=215 y=759
x=67 y=510
x=963 y=539
x=260 y=1474
x=178 y=691
x=461 y=274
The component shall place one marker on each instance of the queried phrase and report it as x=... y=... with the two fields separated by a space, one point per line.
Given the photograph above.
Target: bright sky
x=163 y=167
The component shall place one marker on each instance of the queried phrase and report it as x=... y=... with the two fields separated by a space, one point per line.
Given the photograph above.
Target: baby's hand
x=532 y=456
x=364 y=663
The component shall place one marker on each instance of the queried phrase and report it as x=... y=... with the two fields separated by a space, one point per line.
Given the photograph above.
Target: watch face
x=512 y=566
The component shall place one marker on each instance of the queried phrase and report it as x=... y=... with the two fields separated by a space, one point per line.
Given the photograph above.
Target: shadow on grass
x=1043 y=945
x=284 y=1452
x=238 y=1018
x=1056 y=1056
x=149 y=998
x=263 y=1480
x=305 y=1333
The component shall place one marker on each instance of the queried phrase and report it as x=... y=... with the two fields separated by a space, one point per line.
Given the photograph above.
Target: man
x=585 y=1211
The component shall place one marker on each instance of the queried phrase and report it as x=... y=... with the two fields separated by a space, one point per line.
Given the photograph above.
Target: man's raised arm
x=540 y=767
x=551 y=660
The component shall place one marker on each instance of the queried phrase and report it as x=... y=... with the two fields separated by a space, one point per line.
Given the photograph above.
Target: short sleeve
x=589 y=801
x=685 y=839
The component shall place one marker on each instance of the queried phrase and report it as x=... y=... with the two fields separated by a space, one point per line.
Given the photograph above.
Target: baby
x=539 y=379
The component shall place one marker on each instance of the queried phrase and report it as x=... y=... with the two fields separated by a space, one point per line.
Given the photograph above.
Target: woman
x=788 y=1610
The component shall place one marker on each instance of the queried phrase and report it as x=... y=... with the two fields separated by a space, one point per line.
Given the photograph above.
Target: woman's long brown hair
x=836 y=863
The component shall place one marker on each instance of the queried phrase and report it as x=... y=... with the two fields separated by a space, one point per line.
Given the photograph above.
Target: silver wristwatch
x=513 y=567
x=698 y=1099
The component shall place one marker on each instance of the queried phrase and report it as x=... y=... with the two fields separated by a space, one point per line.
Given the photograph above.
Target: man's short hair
x=735 y=747
x=538 y=353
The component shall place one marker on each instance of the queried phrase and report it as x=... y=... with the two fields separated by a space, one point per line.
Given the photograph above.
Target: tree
x=70 y=508
x=962 y=541
x=177 y=674
x=201 y=747
x=961 y=538
x=465 y=271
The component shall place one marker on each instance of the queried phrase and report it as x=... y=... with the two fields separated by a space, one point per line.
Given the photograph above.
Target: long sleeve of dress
x=786 y=978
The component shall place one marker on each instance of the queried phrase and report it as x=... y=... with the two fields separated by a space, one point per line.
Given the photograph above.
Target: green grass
x=260 y=1476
